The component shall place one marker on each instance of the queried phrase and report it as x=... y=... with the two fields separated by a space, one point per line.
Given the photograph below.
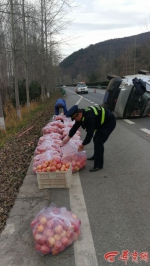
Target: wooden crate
x=60 y=179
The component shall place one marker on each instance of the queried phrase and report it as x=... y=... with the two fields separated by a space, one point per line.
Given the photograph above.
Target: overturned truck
x=128 y=96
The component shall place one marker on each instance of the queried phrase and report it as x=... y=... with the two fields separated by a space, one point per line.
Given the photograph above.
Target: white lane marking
x=73 y=92
x=145 y=130
x=128 y=121
x=86 y=99
x=81 y=97
x=79 y=100
x=84 y=249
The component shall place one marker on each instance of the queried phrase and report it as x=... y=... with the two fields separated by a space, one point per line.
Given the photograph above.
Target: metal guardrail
x=97 y=87
x=90 y=87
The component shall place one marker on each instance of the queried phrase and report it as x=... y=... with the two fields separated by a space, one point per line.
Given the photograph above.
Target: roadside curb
x=16 y=238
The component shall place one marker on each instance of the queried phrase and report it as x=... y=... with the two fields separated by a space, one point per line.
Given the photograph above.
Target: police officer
x=98 y=122
x=60 y=104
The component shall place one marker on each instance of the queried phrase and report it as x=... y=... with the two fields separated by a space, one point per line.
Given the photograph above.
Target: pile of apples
x=49 y=147
x=54 y=230
x=54 y=165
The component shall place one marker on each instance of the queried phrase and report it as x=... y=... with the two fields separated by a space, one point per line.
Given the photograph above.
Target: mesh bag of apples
x=73 y=157
x=54 y=229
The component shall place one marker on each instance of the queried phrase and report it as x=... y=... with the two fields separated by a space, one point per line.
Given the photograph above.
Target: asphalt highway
x=117 y=198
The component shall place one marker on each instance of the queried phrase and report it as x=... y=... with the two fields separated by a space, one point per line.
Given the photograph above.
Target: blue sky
x=95 y=21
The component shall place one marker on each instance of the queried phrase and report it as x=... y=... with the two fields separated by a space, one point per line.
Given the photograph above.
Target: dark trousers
x=99 y=139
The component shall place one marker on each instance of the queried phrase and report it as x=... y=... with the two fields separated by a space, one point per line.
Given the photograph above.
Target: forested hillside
x=117 y=56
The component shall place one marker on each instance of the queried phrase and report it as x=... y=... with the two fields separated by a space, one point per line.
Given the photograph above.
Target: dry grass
x=11 y=119
x=14 y=124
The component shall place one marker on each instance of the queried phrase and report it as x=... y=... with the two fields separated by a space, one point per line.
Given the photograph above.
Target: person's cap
x=72 y=112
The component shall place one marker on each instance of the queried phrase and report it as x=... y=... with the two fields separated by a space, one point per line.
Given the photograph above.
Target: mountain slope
x=86 y=61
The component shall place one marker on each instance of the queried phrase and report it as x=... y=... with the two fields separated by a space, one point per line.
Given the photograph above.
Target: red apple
x=67 y=165
x=43 y=170
x=42 y=240
x=73 y=163
x=57 y=237
x=37 y=238
x=69 y=234
x=54 y=163
x=43 y=221
x=57 y=160
x=48 y=232
x=39 y=167
x=55 y=252
x=58 y=229
x=75 y=225
x=78 y=163
x=76 y=168
x=48 y=169
x=66 y=227
x=65 y=241
x=53 y=168
x=57 y=245
x=63 y=233
x=58 y=166
x=51 y=241
x=40 y=228
x=45 y=249
x=44 y=165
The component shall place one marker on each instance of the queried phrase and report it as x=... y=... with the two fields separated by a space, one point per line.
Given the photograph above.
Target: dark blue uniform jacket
x=63 y=103
x=91 y=123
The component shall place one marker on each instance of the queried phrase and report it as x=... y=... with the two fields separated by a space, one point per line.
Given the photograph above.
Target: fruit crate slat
x=61 y=179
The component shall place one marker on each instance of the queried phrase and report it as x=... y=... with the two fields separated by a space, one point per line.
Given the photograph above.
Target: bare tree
x=2 y=121
x=30 y=46
x=25 y=55
x=14 y=61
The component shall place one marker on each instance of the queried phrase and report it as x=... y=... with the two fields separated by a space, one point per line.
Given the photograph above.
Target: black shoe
x=94 y=169
x=91 y=158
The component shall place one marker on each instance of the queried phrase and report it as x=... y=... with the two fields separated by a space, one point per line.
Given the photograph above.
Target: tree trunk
x=25 y=55
x=14 y=62
x=2 y=121
x=42 y=52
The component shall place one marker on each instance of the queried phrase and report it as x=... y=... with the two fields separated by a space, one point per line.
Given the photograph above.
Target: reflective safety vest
x=96 y=113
